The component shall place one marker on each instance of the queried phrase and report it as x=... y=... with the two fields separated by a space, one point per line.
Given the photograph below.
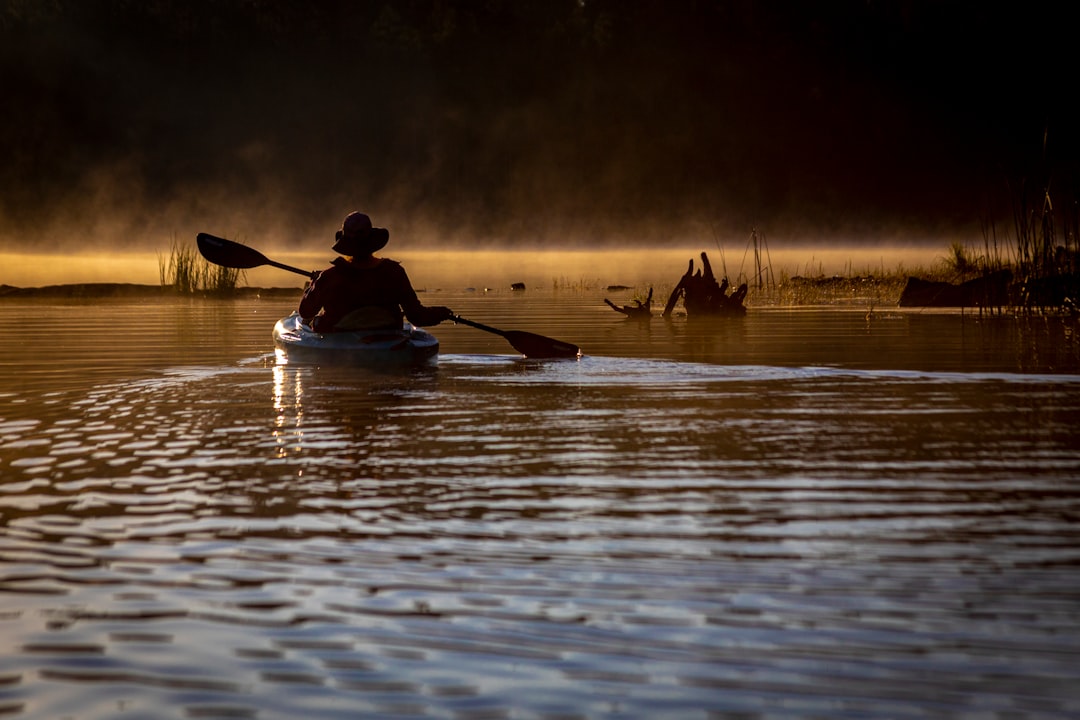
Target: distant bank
x=94 y=291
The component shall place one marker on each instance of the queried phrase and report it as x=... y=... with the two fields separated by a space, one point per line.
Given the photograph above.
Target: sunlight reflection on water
x=794 y=515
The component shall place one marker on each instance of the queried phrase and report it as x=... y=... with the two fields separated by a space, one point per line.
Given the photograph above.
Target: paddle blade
x=532 y=345
x=228 y=253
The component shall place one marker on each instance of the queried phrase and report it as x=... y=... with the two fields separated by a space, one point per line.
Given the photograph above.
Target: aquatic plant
x=867 y=289
x=188 y=272
x=1047 y=255
x=222 y=279
x=582 y=283
x=961 y=262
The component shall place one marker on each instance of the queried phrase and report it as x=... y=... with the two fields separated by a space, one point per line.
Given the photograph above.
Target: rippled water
x=807 y=512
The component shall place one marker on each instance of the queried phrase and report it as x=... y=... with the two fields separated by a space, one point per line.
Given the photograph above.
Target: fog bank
x=529 y=124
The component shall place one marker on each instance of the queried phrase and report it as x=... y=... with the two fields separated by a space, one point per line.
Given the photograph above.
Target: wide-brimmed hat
x=358 y=237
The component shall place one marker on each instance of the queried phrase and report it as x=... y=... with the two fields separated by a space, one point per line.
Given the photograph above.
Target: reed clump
x=867 y=288
x=189 y=273
x=811 y=285
x=581 y=284
x=1047 y=256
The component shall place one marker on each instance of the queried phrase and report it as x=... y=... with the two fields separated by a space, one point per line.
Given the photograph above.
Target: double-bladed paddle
x=234 y=255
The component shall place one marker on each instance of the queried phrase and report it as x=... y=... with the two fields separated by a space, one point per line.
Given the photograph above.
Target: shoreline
x=104 y=290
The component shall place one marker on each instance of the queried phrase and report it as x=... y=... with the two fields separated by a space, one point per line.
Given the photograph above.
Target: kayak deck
x=298 y=341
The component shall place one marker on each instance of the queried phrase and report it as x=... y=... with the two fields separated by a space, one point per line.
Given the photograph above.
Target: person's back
x=361 y=291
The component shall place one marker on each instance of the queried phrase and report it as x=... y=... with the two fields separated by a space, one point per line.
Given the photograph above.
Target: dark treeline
x=531 y=119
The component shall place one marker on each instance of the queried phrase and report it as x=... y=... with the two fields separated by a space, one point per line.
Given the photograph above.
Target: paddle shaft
x=290 y=268
x=478 y=326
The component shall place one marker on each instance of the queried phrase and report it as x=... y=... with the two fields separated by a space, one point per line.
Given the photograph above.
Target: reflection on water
x=687 y=522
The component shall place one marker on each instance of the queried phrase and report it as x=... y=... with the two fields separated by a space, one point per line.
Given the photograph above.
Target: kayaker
x=360 y=291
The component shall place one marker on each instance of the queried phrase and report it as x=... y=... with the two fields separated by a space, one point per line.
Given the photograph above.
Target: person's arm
x=418 y=313
x=312 y=301
x=425 y=315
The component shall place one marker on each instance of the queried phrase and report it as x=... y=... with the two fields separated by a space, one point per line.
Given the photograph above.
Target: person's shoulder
x=390 y=267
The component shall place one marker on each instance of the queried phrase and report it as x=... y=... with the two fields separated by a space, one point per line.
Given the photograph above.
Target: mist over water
x=526 y=124
x=480 y=269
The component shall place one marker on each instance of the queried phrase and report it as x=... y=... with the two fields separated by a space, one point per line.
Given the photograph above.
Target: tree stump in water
x=640 y=311
x=703 y=296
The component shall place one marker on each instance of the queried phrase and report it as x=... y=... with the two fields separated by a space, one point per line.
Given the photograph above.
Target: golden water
x=801 y=513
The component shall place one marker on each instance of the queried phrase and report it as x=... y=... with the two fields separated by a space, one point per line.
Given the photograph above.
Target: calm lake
x=805 y=512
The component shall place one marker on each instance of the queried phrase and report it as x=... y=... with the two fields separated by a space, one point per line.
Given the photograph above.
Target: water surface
x=807 y=512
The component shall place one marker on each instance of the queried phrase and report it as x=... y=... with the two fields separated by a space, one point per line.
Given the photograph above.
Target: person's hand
x=443 y=313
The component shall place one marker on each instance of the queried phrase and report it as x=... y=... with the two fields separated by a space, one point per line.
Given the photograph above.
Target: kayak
x=298 y=341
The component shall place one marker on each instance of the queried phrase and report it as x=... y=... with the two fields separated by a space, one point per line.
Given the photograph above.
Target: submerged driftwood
x=991 y=290
x=639 y=311
x=703 y=296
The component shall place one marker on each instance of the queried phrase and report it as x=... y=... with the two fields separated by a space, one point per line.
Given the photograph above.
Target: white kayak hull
x=297 y=341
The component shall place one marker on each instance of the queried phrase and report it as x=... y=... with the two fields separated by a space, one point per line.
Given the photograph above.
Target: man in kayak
x=360 y=291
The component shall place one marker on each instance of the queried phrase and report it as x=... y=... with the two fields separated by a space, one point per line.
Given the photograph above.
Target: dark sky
x=532 y=122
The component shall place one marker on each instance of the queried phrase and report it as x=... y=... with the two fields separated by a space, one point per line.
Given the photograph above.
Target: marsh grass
x=188 y=272
x=581 y=284
x=961 y=261
x=855 y=289
x=1043 y=257
x=1046 y=251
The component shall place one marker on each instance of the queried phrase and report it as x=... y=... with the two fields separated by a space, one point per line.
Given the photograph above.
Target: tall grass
x=871 y=288
x=188 y=272
x=1046 y=251
x=961 y=261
